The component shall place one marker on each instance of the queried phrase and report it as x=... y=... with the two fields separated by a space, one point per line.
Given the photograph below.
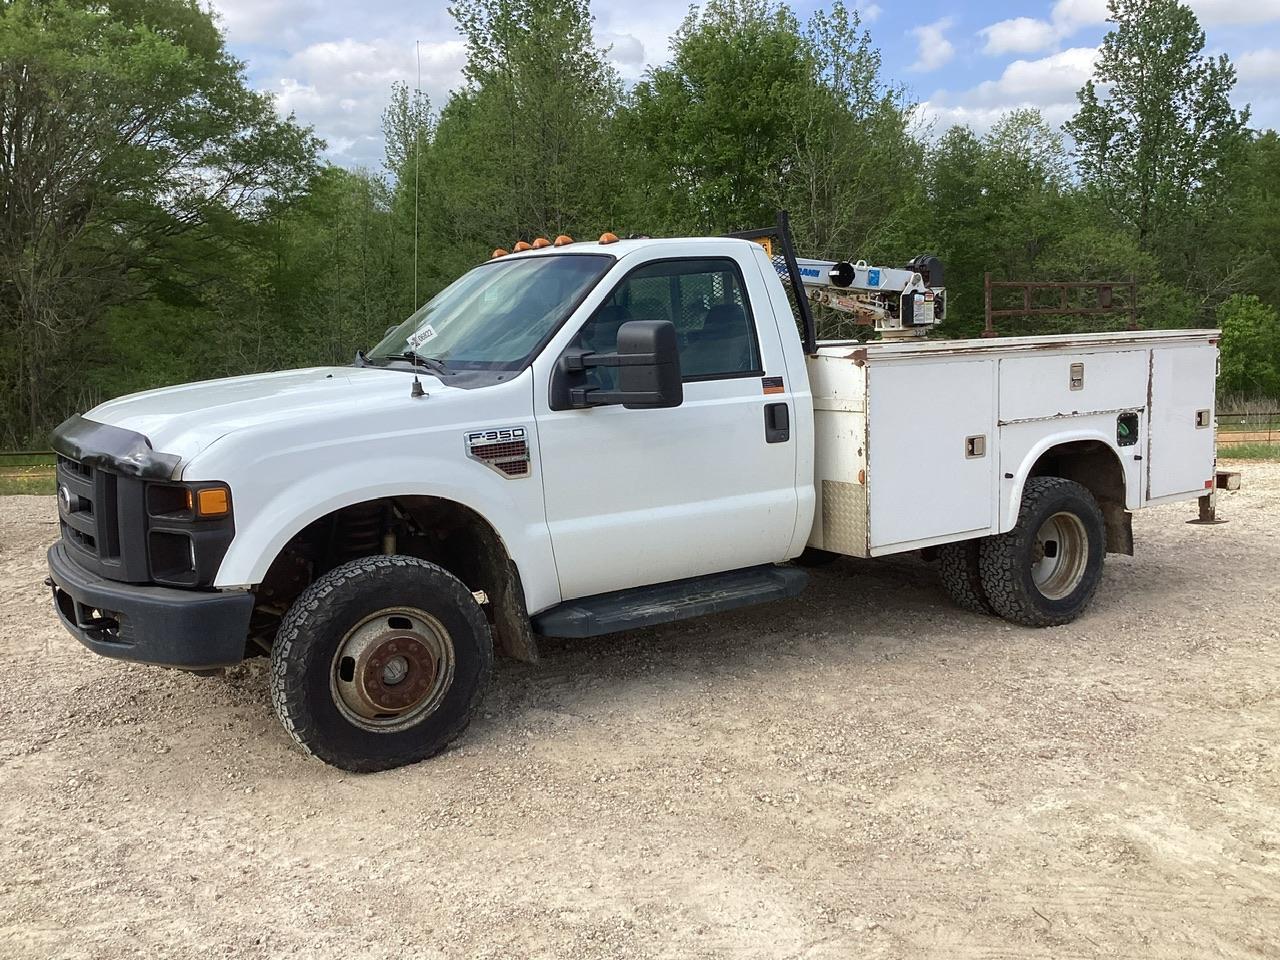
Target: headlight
x=189 y=527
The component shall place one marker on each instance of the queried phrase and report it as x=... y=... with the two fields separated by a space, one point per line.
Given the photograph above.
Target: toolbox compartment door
x=1180 y=455
x=931 y=451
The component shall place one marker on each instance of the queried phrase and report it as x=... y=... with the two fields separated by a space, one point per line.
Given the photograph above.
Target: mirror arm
x=581 y=397
x=575 y=362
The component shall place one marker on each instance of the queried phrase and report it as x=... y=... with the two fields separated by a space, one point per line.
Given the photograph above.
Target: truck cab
x=571 y=439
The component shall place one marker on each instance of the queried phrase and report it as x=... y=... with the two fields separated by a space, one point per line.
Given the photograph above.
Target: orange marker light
x=521 y=247
x=563 y=240
x=498 y=252
x=540 y=243
x=213 y=502
x=608 y=238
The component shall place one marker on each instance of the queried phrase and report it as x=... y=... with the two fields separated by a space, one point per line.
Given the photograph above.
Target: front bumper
x=190 y=629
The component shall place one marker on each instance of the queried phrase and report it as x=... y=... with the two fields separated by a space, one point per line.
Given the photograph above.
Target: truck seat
x=722 y=346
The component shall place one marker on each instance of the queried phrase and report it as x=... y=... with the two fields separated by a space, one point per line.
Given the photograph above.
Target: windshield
x=495 y=316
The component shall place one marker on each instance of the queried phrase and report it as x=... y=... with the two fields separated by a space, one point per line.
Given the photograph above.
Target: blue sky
x=332 y=62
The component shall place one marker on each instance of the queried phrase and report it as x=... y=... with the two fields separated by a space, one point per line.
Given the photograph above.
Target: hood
x=185 y=419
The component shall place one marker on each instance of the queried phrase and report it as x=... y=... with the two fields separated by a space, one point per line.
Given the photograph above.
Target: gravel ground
x=861 y=772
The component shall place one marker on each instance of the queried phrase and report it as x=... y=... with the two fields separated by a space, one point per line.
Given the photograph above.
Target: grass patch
x=27 y=472
x=1249 y=451
x=41 y=482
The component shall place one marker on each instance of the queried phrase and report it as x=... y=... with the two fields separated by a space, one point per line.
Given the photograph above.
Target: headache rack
x=776 y=241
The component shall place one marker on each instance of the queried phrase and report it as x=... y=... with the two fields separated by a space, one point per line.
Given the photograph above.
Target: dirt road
x=861 y=772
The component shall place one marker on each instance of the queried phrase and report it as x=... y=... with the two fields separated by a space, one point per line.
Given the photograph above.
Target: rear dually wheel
x=1045 y=570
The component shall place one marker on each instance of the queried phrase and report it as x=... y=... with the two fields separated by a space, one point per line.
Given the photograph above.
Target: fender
x=1011 y=489
x=268 y=516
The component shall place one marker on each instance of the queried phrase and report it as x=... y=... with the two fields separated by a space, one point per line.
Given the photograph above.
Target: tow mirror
x=648 y=362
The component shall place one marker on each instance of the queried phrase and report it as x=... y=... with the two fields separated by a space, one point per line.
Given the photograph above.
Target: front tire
x=380 y=663
x=1044 y=571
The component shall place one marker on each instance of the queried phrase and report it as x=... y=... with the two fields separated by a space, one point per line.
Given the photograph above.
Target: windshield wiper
x=434 y=364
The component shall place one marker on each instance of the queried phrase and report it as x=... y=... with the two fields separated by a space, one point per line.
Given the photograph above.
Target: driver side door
x=643 y=496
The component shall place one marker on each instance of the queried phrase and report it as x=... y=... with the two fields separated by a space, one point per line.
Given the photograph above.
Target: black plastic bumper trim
x=111 y=448
x=190 y=629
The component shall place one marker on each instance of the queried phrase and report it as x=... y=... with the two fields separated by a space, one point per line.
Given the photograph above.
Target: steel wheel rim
x=392 y=669
x=1060 y=555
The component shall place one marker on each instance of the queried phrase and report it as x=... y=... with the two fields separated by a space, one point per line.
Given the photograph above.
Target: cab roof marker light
x=608 y=237
x=563 y=240
x=540 y=243
x=498 y=252
x=521 y=247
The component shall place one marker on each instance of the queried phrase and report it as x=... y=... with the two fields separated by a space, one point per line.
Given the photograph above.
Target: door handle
x=777 y=423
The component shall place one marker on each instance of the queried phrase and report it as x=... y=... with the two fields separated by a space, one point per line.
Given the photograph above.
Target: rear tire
x=379 y=663
x=958 y=567
x=1044 y=571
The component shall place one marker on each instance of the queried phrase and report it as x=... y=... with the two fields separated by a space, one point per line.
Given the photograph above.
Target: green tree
x=523 y=149
x=754 y=113
x=711 y=135
x=1250 y=364
x=853 y=184
x=129 y=142
x=1254 y=217
x=997 y=204
x=1158 y=140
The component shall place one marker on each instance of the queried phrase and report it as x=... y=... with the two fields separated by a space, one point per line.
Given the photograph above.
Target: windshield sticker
x=424 y=334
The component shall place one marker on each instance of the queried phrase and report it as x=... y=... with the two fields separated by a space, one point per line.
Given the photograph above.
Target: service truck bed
x=920 y=442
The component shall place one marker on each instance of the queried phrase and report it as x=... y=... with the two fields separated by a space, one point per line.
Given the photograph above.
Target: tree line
x=160 y=222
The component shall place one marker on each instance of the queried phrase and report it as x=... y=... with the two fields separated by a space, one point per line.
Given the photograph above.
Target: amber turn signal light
x=213 y=502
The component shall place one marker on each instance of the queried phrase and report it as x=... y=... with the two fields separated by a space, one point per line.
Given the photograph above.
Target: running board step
x=667 y=602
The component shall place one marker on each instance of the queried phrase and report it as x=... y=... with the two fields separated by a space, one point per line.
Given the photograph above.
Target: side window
x=706 y=302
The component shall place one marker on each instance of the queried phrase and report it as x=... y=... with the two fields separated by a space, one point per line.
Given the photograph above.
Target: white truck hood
x=186 y=419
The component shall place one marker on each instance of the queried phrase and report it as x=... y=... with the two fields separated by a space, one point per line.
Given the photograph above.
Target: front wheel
x=379 y=663
x=1045 y=570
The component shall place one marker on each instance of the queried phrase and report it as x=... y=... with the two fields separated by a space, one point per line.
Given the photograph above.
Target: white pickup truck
x=583 y=438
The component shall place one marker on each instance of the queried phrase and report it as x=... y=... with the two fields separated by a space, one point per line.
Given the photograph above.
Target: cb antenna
x=417 y=134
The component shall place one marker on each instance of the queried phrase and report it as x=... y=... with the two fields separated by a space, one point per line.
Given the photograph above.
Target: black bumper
x=190 y=629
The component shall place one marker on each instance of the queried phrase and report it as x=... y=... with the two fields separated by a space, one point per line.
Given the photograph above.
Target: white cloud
x=934 y=49
x=869 y=12
x=1048 y=84
x=1225 y=13
x=1258 y=67
x=253 y=21
x=1031 y=35
x=1019 y=35
x=341 y=87
x=1071 y=15
x=1259 y=73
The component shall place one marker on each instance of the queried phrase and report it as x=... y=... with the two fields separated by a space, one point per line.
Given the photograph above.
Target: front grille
x=92 y=503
